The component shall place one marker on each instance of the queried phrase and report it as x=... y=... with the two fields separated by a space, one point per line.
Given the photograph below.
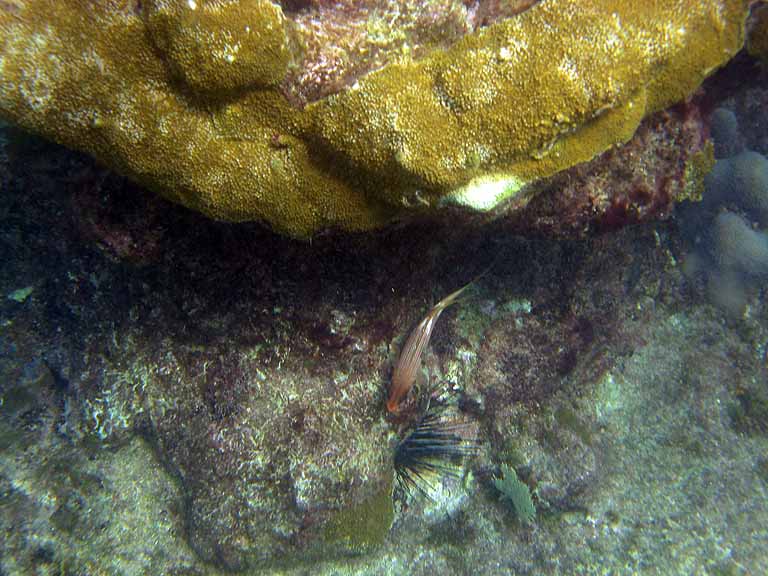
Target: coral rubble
x=188 y=98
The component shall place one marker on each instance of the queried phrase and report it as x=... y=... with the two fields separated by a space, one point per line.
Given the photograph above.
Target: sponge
x=742 y=181
x=738 y=248
x=724 y=129
x=728 y=229
x=749 y=179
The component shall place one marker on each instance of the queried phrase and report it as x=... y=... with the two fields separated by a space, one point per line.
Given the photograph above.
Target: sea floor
x=634 y=409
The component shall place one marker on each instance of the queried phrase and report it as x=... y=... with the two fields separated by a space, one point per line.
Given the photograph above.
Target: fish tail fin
x=451 y=298
x=454 y=296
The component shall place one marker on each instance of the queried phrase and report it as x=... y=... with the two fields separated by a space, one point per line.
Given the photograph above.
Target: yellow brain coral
x=183 y=97
x=219 y=47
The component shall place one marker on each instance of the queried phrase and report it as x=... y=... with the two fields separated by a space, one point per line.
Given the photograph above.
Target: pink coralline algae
x=664 y=162
x=335 y=43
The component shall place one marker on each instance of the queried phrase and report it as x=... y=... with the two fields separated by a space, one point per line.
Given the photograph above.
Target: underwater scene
x=383 y=287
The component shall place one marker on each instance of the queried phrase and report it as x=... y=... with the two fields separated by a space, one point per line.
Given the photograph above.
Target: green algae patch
x=21 y=294
x=184 y=97
x=566 y=417
x=749 y=414
x=363 y=526
x=517 y=493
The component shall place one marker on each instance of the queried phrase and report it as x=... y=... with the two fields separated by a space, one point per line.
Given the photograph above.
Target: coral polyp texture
x=210 y=103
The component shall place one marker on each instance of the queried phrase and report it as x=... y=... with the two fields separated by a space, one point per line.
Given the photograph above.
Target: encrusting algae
x=184 y=98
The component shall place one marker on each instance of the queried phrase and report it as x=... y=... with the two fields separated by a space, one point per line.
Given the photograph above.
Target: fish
x=409 y=362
